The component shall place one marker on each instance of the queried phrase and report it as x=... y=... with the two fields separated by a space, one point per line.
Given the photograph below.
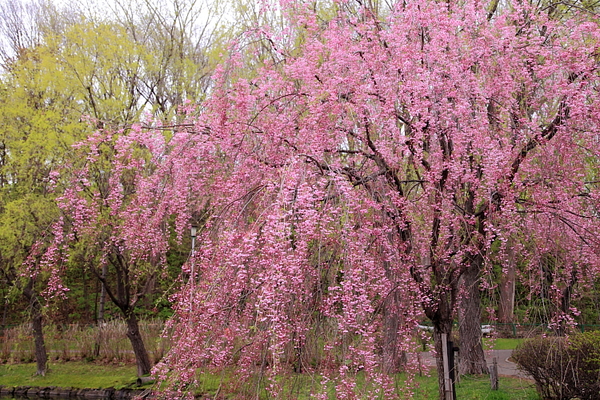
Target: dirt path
x=505 y=367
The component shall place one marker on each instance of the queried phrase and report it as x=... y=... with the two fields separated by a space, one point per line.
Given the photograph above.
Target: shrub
x=584 y=352
x=563 y=368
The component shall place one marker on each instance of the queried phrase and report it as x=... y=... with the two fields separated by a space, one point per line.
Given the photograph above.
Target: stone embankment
x=72 y=393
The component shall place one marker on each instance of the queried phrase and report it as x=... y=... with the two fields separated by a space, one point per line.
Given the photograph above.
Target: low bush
x=563 y=368
x=584 y=351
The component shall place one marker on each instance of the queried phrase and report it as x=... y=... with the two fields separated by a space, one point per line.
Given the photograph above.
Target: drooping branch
x=547 y=134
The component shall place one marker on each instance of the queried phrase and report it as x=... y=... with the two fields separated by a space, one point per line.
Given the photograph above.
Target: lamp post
x=193 y=232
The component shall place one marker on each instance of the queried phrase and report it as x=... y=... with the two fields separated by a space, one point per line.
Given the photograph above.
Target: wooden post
x=142 y=380
x=453 y=369
x=448 y=384
x=494 y=374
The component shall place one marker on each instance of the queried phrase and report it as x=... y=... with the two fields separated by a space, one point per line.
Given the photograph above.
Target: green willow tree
x=68 y=73
x=38 y=126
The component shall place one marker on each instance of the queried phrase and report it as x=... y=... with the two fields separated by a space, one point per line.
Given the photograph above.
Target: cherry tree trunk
x=102 y=303
x=442 y=329
x=101 y=308
x=139 y=349
x=472 y=358
x=41 y=357
x=392 y=358
x=506 y=307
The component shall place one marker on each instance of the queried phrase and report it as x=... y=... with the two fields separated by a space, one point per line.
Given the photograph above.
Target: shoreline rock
x=52 y=392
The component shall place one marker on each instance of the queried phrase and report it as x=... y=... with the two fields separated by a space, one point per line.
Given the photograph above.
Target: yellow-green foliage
x=38 y=125
x=105 y=65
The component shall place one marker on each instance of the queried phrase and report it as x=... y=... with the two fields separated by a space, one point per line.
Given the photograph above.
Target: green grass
x=299 y=387
x=501 y=344
x=89 y=375
x=69 y=374
x=478 y=388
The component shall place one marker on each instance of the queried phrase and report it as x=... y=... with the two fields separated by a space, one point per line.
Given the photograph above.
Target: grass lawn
x=89 y=375
x=501 y=344
x=299 y=387
x=69 y=374
x=478 y=388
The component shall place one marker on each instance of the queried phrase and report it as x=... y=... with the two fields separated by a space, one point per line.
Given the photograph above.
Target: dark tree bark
x=440 y=314
x=5 y=310
x=101 y=306
x=41 y=357
x=472 y=358
x=565 y=302
x=102 y=302
x=506 y=308
x=139 y=349
x=392 y=358
x=442 y=329
x=125 y=295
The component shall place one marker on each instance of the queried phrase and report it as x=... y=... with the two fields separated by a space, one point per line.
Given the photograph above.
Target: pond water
x=58 y=393
x=6 y=397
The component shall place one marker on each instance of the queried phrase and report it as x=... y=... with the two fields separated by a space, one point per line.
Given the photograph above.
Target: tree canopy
x=367 y=172
x=68 y=72
x=353 y=168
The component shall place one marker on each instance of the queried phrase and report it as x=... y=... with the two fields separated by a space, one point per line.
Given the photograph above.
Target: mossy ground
x=300 y=387
x=95 y=375
x=75 y=374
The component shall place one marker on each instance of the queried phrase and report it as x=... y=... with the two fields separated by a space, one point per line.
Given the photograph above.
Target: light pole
x=193 y=232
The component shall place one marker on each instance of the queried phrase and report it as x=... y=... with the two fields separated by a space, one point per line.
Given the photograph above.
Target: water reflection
x=78 y=394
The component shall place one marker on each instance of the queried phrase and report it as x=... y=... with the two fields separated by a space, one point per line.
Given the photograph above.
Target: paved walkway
x=505 y=367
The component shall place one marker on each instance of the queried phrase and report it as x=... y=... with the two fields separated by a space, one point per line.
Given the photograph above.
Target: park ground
x=81 y=374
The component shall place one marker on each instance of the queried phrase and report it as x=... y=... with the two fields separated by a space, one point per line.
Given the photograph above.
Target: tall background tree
x=68 y=72
x=39 y=125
